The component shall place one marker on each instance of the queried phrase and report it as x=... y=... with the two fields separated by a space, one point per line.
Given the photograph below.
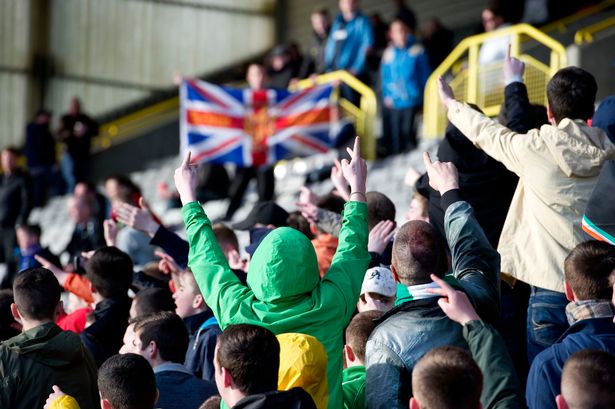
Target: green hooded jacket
x=285 y=292
x=32 y=362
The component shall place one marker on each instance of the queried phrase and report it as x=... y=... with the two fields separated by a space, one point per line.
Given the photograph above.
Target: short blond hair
x=588 y=380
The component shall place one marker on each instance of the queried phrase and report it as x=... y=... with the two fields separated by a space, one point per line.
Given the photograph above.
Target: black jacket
x=14 y=199
x=296 y=398
x=40 y=147
x=104 y=337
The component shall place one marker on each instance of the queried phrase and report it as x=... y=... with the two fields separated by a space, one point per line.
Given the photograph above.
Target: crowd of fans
x=496 y=292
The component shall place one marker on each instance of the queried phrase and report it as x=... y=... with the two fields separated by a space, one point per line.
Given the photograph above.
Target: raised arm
x=351 y=258
x=516 y=101
x=221 y=289
x=501 y=388
x=476 y=264
x=499 y=142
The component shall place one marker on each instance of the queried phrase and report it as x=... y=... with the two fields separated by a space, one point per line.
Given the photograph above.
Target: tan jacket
x=557 y=168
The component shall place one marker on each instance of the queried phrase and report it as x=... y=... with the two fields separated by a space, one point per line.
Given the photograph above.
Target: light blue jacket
x=404 y=72
x=356 y=37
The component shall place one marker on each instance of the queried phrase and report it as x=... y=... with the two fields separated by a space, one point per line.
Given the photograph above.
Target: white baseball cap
x=379 y=280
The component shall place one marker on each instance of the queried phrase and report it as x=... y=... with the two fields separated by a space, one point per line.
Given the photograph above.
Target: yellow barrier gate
x=482 y=84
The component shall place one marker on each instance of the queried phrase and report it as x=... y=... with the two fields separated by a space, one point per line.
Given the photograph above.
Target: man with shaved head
x=417 y=324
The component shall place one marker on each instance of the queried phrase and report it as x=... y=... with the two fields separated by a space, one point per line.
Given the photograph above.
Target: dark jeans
x=398 y=133
x=265 y=184
x=546 y=320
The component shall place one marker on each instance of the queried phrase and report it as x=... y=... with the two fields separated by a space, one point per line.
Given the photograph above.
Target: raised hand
x=110 y=231
x=307 y=196
x=309 y=211
x=355 y=172
x=339 y=181
x=446 y=92
x=185 y=180
x=442 y=175
x=55 y=394
x=139 y=218
x=60 y=274
x=167 y=263
x=455 y=304
x=380 y=236
x=513 y=68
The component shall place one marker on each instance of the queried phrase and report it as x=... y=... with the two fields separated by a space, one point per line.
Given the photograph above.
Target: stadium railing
x=364 y=115
x=587 y=34
x=482 y=84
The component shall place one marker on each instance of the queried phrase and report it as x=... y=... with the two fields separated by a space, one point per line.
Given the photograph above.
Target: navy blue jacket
x=203 y=331
x=543 y=382
x=180 y=389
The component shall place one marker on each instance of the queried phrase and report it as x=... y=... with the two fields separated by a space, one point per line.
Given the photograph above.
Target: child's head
x=588 y=381
x=110 y=271
x=587 y=269
x=127 y=382
x=151 y=300
x=246 y=362
x=447 y=378
x=571 y=94
x=357 y=334
x=399 y=33
x=256 y=77
x=37 y=296
x=188 y=298
x=226 y=238
x=161 y=338
x=378 y=290
x=418 y=209
x=28 y=235
x=379 y=208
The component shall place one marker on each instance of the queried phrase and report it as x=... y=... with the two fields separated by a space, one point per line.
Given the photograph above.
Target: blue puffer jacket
x=355 y=37
x=404 y=72
x=415 y=327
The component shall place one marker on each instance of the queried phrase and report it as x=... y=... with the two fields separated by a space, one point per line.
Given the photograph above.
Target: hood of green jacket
x=47 y=344
x=283 y=266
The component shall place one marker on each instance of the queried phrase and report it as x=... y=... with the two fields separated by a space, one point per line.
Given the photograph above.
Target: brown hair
x=588 y=380
x=379 y=208
x=225 y=236
x=587 y=269
x=359 y=330
x=251 y=354
x=447 y=377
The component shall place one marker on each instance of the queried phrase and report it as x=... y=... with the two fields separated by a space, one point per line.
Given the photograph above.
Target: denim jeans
x=546 y=320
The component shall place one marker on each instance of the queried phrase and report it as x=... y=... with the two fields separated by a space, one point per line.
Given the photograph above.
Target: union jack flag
x=254 y=128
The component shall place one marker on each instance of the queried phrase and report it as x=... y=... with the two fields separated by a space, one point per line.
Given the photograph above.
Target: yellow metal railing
x=586 y=35
x=364 y=115
x=482 y=84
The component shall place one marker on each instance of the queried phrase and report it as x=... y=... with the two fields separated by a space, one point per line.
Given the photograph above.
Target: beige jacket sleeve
x=499 y=142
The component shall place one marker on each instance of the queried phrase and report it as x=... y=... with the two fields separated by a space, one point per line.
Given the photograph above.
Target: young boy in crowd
x=587 y=269
x=43 y=355
x=127 y=382
x=404 y=71
x=588 y=381
x=378 y=290
x=247 y=363
x=28 y=240
x=162 y=339
x=109 y=271
x=202 y=326
x=353 y=377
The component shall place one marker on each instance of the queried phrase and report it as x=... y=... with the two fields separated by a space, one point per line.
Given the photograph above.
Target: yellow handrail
x=365 y=114
x=586 y=35
x=434 y=119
